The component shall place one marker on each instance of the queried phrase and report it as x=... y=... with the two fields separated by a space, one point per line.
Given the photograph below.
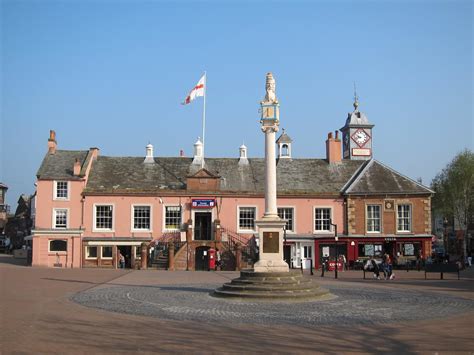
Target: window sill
x=246 y=231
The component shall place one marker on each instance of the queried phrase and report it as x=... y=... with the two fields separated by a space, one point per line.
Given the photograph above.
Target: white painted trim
x=112 y=243
x=163 y=218
x=325 y=231
x=55 y=183
x=94 y=214
x=193 y=212
x=54 y=251
x=102 y=253
x=59 y=232
x=132 y=217
x=294 y=218
x=366 y=218
x=411 y=218
x=53 y=222
x=88 y=257
x=246 y=231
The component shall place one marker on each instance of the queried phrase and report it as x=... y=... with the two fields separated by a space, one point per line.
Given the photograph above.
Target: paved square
x=153 y=311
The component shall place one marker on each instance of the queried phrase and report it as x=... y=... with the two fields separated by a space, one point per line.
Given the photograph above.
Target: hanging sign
x=203 y=203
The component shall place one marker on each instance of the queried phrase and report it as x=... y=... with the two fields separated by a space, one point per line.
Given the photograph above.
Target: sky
x=112 y=74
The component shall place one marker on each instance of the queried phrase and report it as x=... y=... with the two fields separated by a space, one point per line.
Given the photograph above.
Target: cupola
x=198 y=156
x=149 y=159
x=284 y=145
x=243 y=155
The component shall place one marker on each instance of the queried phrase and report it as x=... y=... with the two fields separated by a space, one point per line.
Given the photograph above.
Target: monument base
x=270 y=234
x=278 y=286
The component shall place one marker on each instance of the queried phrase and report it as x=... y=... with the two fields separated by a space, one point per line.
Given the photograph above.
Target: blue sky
x=112 y=74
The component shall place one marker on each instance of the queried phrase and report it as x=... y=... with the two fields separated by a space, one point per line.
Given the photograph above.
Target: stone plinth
x=270 y=235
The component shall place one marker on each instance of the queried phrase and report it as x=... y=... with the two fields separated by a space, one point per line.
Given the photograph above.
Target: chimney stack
x=77 y=168
x=52 y=142
x=333 y=148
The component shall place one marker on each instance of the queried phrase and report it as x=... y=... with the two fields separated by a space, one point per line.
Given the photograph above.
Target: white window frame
x=54 y=214
x=55 y=190
x=87 y=254
x=102 y=252
x=323 y=231
x=410 y=218
x=132 y=217
x=367 y=218
x=94 y=218
x=55 y=251
x=164 y=229
x=247 y=231
x=293 y=217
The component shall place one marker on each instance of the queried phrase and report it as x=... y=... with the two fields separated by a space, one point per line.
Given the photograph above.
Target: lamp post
x=353 y=252
x=446 y=241
x=337 y=250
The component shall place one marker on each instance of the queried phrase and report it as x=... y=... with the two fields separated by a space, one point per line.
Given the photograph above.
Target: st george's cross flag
x=197 y=91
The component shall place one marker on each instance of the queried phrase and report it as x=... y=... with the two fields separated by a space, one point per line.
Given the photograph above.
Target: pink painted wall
x=228 y=215
x=45 y=204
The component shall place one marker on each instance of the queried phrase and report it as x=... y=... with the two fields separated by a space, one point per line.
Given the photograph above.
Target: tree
x=454 y=187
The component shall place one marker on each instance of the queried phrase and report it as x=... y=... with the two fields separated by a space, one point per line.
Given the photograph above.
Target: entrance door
x=307 y=256
x=202 y=259
x=126 y=251
x=202 y=226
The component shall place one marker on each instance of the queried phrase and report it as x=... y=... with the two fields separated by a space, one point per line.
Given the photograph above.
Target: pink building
x=172 y=213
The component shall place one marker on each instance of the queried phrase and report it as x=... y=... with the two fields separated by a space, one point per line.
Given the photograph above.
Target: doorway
x=126 y=251
x=202 y=226
x=202 y=259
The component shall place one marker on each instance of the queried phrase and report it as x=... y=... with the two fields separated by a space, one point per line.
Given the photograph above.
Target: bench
x=441 y=268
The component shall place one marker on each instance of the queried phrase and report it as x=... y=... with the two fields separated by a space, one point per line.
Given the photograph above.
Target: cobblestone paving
x=349 y=305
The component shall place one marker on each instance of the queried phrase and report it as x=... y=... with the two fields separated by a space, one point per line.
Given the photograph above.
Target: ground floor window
x=57 y=245
x=107 y=252
x=410 y=249
x=91 y=252
x=370 y=250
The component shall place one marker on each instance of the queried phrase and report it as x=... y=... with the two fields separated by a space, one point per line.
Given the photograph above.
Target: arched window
x=57 y=245
x=285 y=152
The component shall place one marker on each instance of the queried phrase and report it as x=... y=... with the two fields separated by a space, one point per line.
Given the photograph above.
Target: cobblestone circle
x=349 y=305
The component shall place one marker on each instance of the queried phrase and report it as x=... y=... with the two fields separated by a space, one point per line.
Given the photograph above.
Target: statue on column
x=270 y=96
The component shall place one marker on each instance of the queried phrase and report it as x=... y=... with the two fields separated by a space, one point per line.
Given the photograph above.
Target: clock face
x=360 y=137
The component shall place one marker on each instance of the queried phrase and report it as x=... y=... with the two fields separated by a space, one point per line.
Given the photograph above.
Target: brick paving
x=38 y=315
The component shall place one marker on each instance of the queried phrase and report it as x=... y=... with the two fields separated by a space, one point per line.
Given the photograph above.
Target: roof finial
x=356 y=98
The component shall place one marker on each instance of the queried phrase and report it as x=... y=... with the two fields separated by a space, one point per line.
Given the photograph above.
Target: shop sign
x=390 y=239
x=203 y=203
x=332 y=266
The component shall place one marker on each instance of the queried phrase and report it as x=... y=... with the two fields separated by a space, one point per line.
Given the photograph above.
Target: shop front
x=356 y=250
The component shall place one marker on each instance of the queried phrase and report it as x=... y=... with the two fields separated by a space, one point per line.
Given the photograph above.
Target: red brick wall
x=421 y=214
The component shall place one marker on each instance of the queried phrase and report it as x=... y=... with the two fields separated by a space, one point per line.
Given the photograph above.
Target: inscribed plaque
x=271 y=242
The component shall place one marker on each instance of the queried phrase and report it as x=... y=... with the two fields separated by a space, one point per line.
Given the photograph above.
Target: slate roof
x=295 y=176
x=60 y=165
x=377 y=178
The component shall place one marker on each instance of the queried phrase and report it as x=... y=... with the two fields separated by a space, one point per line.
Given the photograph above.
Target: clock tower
x=357 y=135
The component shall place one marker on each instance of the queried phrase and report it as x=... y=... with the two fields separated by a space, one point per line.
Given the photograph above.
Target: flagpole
x=204 y=120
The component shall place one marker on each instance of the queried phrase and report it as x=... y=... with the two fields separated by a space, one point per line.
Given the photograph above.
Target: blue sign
x=203 y=203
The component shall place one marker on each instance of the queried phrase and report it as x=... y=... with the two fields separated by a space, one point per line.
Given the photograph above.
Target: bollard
x=323 y=266
x=311 y=267
x=301 y=267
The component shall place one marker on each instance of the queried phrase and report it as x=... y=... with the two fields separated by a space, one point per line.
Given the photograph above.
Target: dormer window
x=61 y=190
x=284 y=145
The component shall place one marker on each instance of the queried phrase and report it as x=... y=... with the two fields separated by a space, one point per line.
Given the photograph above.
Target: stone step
x=267 y=287
x=281 y=295
x=271 y=281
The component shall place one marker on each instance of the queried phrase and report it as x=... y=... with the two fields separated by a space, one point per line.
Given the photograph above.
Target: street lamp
x=446 y=241
x=337 y=251
x=353 y=252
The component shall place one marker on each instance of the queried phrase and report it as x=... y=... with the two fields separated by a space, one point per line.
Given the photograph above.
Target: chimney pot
x=330 y=135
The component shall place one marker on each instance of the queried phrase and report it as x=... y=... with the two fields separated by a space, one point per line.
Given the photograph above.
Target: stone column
x=270 y=173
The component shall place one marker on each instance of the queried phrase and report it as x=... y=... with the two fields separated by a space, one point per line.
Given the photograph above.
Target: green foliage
x=454 y=187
